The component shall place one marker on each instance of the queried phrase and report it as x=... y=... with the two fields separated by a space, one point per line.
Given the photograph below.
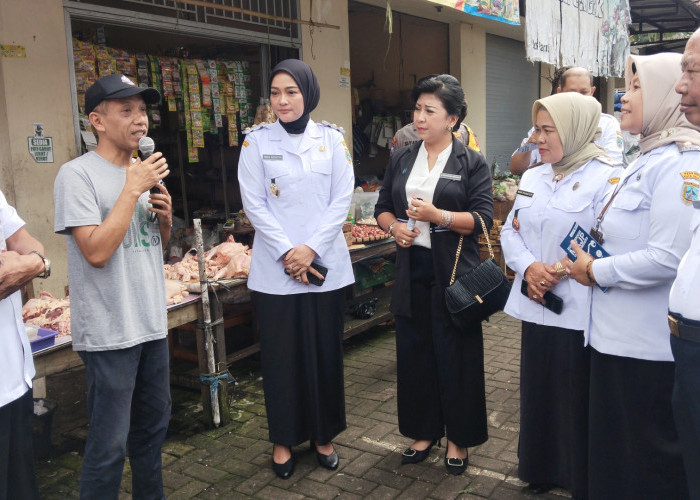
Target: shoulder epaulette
x=686 y=146
x=333 y=125
x=259 y=126
x=608 y=161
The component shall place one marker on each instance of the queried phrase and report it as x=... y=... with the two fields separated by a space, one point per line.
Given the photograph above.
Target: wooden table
x=60 y=356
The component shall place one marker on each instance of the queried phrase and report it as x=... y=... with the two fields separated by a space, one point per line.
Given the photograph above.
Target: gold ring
x=543 y=283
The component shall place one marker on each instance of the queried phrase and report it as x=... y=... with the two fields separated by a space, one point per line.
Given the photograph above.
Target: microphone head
x=146 y=146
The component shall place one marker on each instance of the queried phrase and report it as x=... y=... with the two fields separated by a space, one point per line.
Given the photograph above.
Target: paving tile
x=393 y=480
x=204 y=473
x=352 y=484
x=189 y=490
x=314 y=489
x=383 y=492
x=361 y=464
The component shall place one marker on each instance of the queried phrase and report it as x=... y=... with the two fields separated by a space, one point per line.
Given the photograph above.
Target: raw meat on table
x=48 y=312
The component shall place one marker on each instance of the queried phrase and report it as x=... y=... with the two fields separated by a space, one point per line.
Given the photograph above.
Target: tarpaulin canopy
x=663 y=25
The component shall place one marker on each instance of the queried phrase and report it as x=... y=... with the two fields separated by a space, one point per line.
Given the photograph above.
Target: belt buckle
x=673 y=325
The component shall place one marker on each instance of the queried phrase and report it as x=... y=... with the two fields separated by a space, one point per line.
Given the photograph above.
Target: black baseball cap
x=117 y=86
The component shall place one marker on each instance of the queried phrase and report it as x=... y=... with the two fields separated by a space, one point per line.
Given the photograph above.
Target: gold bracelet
x=561 y=271
x=589 y=272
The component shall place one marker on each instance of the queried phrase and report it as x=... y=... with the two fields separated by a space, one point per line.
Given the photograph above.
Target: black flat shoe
x=411 y=456
x=456 y=466
x=329 y=462
x=538 y=488
x=284 y=470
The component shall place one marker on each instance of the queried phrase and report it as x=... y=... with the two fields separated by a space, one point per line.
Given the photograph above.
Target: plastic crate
x=46 y=338
x=373 y=272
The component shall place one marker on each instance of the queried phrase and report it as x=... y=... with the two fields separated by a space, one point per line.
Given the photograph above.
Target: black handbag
x=476 y=295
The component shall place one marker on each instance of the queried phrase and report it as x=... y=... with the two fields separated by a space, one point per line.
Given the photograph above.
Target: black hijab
x=308 y=86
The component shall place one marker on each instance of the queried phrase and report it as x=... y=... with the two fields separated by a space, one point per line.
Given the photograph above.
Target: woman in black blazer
x=439 y=184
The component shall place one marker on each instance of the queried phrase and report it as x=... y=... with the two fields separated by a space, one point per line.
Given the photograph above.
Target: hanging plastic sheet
x=592 y=35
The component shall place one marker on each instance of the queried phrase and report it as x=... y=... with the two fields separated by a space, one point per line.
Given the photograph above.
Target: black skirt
x=302 y=365
x=440 y=370
x=634 y=450
x=554 y=373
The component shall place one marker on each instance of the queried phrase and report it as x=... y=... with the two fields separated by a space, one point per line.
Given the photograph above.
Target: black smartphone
x=314 y=280
x=552 y=301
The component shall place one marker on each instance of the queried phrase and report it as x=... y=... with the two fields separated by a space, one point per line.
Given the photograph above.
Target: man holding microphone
x=117 y=289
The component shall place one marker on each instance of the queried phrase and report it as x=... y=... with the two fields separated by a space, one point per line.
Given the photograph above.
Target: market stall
x=372 y=296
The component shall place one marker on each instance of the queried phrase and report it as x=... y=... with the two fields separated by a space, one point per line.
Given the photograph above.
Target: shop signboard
x=40 y=146
x=505 y=11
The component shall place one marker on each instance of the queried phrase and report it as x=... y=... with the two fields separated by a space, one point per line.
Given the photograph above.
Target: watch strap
x=44 y=274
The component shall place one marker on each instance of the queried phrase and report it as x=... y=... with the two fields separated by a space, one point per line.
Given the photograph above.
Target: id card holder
x=597 y=235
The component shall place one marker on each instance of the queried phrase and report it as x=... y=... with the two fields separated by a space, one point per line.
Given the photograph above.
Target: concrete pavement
x=234 y=461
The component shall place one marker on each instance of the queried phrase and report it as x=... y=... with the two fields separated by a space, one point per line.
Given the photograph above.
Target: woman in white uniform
x=633 y=444
x=296 y=181
x=570 y=187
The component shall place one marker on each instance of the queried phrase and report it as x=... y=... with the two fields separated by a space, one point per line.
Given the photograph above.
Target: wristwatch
x=47 y=266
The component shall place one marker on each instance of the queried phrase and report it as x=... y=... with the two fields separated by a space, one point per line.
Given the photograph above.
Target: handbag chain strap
x=459 y=247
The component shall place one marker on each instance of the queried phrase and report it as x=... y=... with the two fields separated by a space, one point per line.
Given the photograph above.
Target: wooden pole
x=208 y=337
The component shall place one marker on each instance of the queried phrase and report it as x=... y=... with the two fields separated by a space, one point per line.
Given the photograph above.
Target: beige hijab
x=662 y=121
x=576 y=118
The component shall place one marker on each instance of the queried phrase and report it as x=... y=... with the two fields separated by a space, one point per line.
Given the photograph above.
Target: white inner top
x=421 y=182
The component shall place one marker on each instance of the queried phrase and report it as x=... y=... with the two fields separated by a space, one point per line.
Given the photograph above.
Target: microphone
x=147 y=147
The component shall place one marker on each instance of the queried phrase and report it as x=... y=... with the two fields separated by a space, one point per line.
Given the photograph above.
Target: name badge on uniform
x=272 y=157
x=529 y=194
x=451 y=177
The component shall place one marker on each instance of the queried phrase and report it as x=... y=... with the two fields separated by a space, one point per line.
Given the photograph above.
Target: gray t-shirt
x=122 y=304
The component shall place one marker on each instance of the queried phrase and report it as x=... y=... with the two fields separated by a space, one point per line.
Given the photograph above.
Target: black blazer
x=472 y=193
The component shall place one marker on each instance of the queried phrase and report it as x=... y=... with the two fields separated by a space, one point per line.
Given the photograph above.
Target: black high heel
x=538 y=488
x=411 y=456
x=329 y=462
x=285 y=470
x=455 y=465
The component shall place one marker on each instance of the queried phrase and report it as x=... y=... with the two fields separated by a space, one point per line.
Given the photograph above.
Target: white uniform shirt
x=610 y=140
x=645 y=231
x=16 y=363
x=296 y=193
x=685 y=294
x=546 y=211
x=421 y=182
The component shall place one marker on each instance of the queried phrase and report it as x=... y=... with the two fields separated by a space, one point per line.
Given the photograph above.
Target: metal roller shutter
x=512 y=85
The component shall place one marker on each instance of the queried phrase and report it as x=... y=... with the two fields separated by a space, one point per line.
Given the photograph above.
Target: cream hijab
x=662 y=121
x=576 y=118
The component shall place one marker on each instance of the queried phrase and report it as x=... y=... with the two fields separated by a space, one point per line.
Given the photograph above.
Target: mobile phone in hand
x=552 y=301
x=313 y=279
